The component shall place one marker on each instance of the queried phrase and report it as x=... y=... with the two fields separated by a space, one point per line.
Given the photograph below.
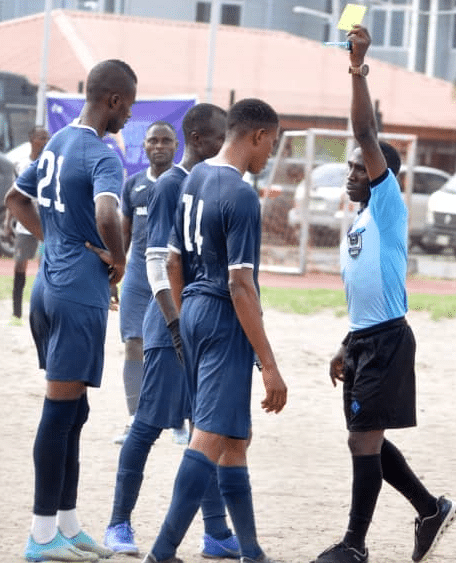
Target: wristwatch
x=362 y=70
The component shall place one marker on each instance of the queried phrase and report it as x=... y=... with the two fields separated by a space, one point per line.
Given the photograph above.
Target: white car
x=327 y=203
x=440 y=232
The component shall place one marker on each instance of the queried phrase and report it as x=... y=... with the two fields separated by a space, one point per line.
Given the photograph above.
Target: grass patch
x=303 y=301
x=6 y=287
x=307 y=301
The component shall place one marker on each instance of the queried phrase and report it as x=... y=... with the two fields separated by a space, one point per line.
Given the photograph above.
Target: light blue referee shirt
x=373 y=257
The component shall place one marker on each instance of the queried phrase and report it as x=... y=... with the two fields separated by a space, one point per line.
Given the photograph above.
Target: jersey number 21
x=52 y=173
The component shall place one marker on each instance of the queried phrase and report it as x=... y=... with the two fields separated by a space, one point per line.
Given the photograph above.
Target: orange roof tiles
x=295 y=75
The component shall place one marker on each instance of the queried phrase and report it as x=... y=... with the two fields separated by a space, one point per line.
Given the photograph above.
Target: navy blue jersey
x=162 y=203
x=75 y=168
x=217 y=228
x=134 y=206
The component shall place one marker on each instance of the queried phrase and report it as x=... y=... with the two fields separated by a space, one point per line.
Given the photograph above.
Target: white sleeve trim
x=115 y=196
x=240 y=266
x=174 y=249
x=16 y=187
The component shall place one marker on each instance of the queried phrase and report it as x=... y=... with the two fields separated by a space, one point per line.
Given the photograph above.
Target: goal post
x=301 y=230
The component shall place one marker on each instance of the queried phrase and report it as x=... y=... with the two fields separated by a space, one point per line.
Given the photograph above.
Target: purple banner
x=128 y=143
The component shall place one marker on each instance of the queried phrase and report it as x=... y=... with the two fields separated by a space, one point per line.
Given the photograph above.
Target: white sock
x=68 y=523
x=44 y=528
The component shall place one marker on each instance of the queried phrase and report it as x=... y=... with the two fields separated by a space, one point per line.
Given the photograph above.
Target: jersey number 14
x=197 y=237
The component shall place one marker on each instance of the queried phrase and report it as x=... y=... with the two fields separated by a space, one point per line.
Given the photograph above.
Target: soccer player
x=376 y=359
x=77 y=182
x=213 y=268
x=164 y=400
x=25 y=244
x=160 y=145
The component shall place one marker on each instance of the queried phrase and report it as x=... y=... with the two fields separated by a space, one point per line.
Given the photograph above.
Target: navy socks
x=132 y=460
x=56 y=455
x=235 y=488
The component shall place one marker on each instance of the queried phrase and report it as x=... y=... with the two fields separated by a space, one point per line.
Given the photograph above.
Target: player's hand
x=276 y=391
x=114 y=301
x=173 y=328
x=116 y=270
x=360 y=41
x=336 y=366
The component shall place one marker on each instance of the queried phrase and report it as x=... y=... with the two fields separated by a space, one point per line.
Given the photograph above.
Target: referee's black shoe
x=430 y=529
x=342 y=553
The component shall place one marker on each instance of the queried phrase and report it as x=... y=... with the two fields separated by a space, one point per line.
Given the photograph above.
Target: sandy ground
x=299 y=463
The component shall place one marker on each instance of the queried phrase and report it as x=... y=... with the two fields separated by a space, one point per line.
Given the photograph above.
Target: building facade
x=419 y=35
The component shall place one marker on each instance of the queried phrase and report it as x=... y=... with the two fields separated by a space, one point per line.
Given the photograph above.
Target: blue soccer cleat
x=59 y=549
x=215 y=549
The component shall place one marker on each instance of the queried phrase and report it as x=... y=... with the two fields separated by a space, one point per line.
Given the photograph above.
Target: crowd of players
x=191 y=320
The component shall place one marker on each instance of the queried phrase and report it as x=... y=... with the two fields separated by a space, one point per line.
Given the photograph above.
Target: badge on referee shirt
x=355 y=242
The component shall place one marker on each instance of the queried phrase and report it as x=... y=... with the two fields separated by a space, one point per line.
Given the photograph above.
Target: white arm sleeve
x=156 y=269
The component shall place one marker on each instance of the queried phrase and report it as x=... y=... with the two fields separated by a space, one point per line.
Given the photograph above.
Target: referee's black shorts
x=379 y=369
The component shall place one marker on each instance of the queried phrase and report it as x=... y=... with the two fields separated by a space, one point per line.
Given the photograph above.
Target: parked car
x=327 y=203
x=6 y=180
x=440 y=231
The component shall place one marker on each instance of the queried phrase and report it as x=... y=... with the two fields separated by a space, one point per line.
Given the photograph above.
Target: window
x=203 y=12
x=230 y=14
x=390 y=25
x=453 y=38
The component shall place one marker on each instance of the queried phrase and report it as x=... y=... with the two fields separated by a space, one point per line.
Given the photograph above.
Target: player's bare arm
x=248 y=310
x=126 y=231
x=362 y=113
x=160 y=285
x=108 y=225
x=176 y=277
x=24 y=210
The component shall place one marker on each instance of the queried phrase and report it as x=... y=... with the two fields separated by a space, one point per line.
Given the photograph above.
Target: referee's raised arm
x=362 y=113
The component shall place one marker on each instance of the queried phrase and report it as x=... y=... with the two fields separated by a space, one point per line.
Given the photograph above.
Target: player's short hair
x=163 y=123
x=250 y=114
x=393 y=160
x=109 y=77
x=198 y=119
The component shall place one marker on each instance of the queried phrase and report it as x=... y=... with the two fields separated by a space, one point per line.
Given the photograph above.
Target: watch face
x=364 y=70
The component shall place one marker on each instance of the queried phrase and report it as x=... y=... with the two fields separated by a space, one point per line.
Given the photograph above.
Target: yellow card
x=352 y=14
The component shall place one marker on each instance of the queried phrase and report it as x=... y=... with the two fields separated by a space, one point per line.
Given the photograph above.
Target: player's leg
x=133 y=372
x=119 y=534
x=73 y=360
x=196 y=469
x=24 y=249
x=225 y=364
x=131 y=314
x=218 y=540
x=59 y=414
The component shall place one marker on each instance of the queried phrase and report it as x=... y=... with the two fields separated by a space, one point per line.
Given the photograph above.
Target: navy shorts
x=219 y=364
x=69 y=337
x=379 y=386
x=24 y=247
x=133 y=305
x=163 y=401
